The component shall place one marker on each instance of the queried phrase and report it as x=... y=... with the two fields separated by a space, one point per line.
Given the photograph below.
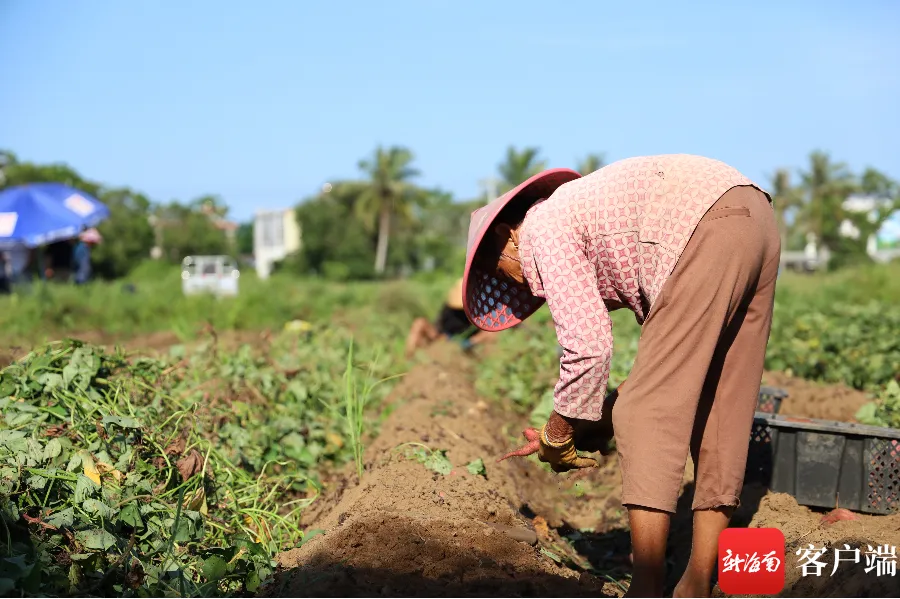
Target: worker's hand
x=561 y=454
x=561 y=438
x=595 y=435
x=554 y=444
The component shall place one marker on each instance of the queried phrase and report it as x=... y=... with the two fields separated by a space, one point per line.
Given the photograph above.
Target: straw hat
x=492 y=304
x=454 y=299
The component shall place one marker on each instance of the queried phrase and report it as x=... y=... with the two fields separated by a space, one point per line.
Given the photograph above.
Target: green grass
x=358 y=392
x=49 y=311
x=851 y=286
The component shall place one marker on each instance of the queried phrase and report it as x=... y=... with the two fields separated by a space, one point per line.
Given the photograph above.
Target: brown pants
x=696 y=378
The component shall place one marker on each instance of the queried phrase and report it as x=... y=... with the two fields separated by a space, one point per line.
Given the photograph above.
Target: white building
x=868 y=205
x=813 y=256
x=276 y=234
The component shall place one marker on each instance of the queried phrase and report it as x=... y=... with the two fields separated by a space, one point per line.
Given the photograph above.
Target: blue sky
x=264 y=102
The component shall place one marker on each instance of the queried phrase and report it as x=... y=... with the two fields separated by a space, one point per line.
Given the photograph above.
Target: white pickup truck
x=209 y=274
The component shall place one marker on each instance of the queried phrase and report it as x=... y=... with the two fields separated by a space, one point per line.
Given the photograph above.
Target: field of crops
x=183 y=474
x=187 y=472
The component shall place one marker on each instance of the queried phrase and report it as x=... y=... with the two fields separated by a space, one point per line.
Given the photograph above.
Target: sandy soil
x=404 y=529
x=802 y=527
x=523 y=531
x=815 y=400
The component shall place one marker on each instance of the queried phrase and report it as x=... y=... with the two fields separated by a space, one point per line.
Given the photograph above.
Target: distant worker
x=451 y=323
x=17 y=260
x=81 y=255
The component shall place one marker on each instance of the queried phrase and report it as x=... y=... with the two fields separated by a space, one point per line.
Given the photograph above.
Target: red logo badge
x=751 y=561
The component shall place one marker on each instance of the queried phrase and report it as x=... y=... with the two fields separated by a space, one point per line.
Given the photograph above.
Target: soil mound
x=404 y=529
x=407 y=530
x=809 y=399
x=803 y=528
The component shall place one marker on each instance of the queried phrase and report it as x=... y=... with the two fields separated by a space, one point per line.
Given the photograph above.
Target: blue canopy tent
x=37 y=214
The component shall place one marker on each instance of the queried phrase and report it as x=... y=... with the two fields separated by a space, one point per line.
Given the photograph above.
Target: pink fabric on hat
x=613 y=235
x=489 y=303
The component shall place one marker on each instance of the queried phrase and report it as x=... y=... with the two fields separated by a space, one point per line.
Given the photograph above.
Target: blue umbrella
x=41 y=213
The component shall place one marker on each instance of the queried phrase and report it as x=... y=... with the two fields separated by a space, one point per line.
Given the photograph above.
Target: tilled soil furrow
x=404 y=529
x=407 y=530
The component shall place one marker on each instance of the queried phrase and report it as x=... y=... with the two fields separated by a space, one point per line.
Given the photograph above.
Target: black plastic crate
x=827 y=464
x=770 y=399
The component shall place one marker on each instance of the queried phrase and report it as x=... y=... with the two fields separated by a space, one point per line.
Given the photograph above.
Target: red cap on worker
x=491 y=303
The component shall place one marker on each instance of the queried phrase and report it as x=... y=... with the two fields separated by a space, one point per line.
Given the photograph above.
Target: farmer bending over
x=451 y=322
x=690 y=246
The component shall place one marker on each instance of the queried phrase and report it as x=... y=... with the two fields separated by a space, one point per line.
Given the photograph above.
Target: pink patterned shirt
x=613 y=235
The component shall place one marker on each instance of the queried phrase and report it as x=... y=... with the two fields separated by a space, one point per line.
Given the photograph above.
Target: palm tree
x=519 y=166
x=886 y=195
x=826 y=185
x=591 y=163
x=784 y=198
x=210 y=204
x=386 y=194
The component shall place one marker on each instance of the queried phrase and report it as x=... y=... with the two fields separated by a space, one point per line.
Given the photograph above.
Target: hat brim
x=491 y=303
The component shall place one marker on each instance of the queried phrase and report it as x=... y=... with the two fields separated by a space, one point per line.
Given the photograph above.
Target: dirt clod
x=517 y=534
x=815 y=400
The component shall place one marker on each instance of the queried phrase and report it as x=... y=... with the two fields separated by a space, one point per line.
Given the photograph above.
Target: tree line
x=817 y=205
x=384 y=223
